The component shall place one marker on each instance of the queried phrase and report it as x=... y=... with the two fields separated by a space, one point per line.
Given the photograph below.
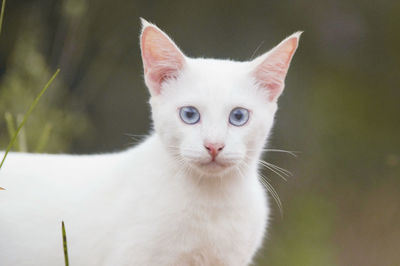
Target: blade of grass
x=11 y=127
x=64 y=238
x=3 y=6
x=44 y=138
x=21 y=140
x=33 y=105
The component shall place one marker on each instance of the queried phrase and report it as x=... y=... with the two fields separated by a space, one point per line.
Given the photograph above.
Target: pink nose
x=214 y=148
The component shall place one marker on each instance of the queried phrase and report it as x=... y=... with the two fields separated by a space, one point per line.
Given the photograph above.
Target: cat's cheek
x=256 y=136
x=167 y=129
x=191 y=145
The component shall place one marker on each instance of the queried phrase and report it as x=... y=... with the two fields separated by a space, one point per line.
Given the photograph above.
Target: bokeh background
x=340 y=108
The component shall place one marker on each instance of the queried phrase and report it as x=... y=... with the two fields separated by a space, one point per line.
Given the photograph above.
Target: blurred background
x=340 y=108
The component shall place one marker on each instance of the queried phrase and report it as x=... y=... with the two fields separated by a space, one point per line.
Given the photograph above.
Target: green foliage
x=26 y=116
x=27 y=70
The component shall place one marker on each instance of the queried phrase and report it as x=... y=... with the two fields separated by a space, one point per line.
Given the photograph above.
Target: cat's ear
x=271 y=67
x=162 y=59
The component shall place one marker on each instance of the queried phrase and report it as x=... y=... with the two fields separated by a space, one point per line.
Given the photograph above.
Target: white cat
x=188 y=195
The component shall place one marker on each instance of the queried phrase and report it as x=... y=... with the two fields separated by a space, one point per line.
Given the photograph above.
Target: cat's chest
x=191 y=222
x=200 y=207
x=201 y=229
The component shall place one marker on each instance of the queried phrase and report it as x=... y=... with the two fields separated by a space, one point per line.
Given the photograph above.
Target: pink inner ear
x=161 y=58
x=271 y=73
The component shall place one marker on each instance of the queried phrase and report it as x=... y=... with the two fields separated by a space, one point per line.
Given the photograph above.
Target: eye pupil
x=238 y=116
x=189 y=114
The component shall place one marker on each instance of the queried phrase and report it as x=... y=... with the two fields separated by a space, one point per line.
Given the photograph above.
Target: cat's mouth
x=214 y=165
x=211 y=166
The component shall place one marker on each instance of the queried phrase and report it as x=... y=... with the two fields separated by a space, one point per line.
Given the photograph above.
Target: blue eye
x=239 y=116
x=189 y=115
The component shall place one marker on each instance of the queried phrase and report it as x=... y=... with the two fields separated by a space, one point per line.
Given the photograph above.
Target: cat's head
x=213 y=115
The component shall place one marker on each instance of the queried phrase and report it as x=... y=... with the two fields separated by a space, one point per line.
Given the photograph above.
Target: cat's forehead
x=213 y=83
x=215 y=78
x=222 y=68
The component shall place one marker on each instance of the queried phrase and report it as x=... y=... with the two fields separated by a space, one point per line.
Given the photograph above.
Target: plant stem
x=44 y=138
x=11 y=127
x=3 y=6
x=33 y=105
x=64 y=237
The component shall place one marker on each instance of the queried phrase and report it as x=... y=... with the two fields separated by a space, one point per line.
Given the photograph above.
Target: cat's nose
x=214 y=148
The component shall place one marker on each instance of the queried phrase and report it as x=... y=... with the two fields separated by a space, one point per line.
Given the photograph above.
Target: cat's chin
x=213 y=168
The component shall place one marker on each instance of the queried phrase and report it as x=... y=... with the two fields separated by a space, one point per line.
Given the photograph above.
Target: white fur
x=158 y=203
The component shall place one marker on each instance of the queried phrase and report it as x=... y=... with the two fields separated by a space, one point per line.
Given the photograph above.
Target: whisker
x=293 y=153
x=136 y=138
x=277 y=168
x=255 y=51
x=281 y=172
x=264 y=181
x=273 y=193
x=280 y=169
x=135 y=135
x=272 y=169
x=239 y=169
